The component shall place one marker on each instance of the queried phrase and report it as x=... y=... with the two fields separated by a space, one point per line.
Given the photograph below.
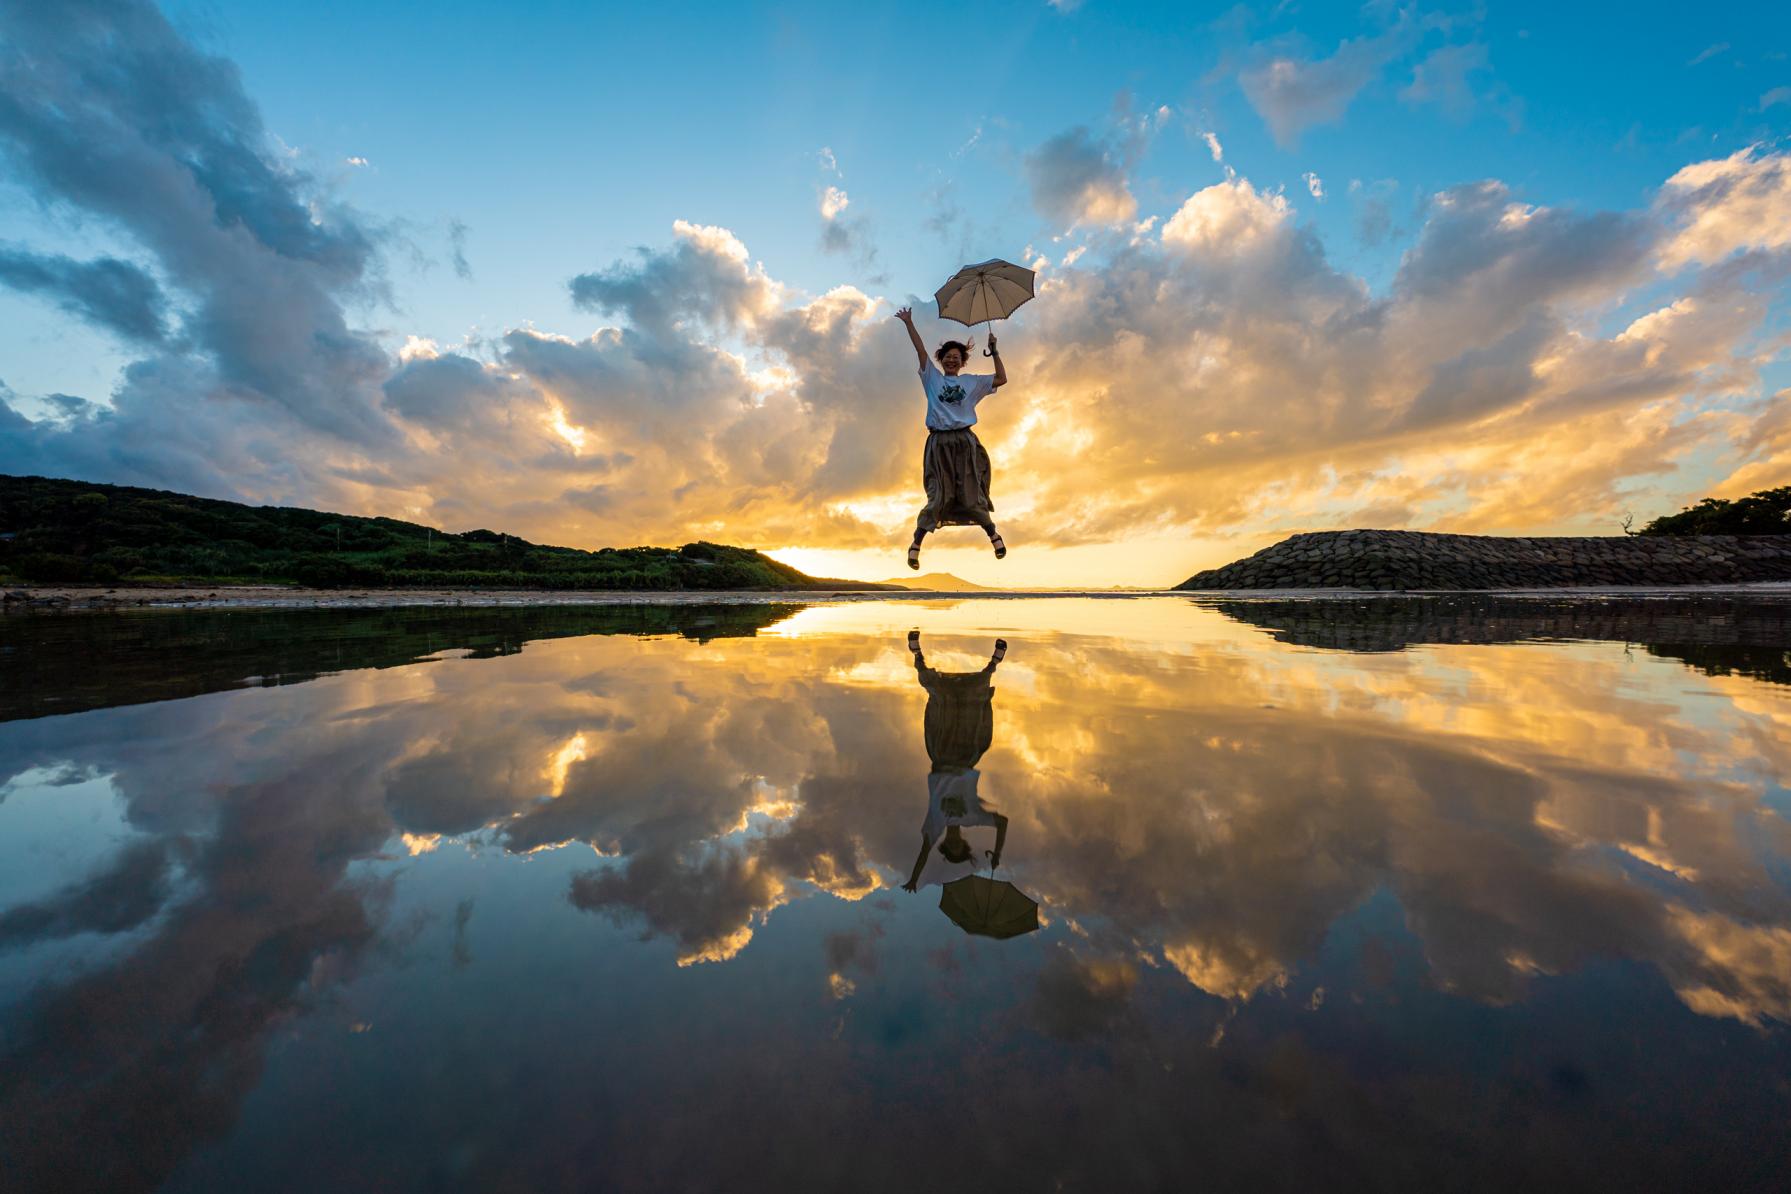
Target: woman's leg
x=920 y=532
x=929 y=514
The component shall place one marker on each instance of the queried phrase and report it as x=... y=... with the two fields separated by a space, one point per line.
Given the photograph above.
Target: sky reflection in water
x=1367 y=894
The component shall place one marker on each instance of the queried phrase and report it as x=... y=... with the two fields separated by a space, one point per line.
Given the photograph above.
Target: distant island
x=74 y=532
x=935 y=582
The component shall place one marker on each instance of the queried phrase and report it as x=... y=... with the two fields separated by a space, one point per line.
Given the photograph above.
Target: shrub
x=1767 y=512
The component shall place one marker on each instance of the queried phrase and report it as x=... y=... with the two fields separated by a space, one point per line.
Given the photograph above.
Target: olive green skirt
x=955 y=471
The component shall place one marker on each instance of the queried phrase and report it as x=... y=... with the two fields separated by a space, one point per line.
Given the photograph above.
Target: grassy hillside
x=59 y=532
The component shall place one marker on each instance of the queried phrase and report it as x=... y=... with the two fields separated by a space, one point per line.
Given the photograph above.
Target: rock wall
x=1394 y=560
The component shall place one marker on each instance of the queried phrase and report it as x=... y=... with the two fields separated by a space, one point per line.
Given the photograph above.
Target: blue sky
x=553 y=140
x=563 y=135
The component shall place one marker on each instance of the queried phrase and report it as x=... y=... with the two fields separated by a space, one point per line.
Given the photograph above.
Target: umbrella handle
x=988 y=352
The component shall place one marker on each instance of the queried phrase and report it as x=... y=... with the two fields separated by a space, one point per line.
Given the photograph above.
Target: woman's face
x=952 y=361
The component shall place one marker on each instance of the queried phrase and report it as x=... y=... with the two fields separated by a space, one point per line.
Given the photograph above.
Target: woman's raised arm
x=906 y=315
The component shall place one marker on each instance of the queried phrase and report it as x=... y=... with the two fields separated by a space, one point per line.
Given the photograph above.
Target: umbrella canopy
x=993 y=289
x=989 y=907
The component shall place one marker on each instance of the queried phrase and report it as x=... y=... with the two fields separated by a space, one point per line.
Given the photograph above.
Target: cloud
x=1778 y=95
x=1228 y=217
x=843 y=234
x=1315 y=186
x=1708 y=52
x=130 y=891
x=457 y=250
x=707 y=907
x=1373 y=203
x=1076 y=178
x=161 y=143
x=106 y=292
x=1213 y=147
x=706 y=277
x=1727 y=205
x=1294 y=94
x=1077 y=999
x=1443 y=78
x=1447 y=78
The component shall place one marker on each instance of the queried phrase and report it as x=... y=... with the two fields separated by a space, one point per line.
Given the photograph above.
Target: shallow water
x=1440 y=893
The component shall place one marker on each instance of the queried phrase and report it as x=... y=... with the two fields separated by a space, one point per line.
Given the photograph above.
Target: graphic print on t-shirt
x=953 y=393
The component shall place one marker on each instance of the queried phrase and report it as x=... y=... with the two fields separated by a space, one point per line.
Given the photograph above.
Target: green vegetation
x=1765 y=513
x=62 y=665
x=71 y=532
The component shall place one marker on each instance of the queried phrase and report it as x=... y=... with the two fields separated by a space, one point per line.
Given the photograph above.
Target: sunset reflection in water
x=1388 y=887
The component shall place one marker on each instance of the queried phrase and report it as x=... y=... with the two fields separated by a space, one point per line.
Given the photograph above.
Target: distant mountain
x=54 y=531
x=935 y=582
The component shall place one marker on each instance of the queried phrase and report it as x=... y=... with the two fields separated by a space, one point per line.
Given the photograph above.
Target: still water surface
x=1395 y=894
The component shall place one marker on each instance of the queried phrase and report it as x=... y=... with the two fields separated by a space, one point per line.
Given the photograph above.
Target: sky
x=608 y=275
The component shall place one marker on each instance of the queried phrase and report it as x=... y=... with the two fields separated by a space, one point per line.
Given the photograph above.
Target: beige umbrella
x=989 y=907
x=990 y=290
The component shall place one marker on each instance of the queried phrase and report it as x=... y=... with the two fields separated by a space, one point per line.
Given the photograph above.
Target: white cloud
x=833 y=201
x=1719 y=207
x=1226 y=217
x=1314 y=184
x=418 y=348
x=1778 y=95
x=1709 y=52
x=1213 y=146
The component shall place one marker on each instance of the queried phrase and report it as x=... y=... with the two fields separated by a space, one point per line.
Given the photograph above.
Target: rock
x=1390 y=560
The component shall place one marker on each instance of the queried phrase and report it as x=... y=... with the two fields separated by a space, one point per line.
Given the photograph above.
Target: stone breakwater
x=1396 y=560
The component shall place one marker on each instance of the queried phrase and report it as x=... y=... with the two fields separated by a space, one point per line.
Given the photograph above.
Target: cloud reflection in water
x=1189 y=798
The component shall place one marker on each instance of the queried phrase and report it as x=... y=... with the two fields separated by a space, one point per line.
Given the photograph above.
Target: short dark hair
x=963 y=350
x=955 y=849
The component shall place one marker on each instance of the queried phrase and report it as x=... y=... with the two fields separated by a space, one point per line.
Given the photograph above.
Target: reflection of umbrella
x=989 y=907
x=993 y=289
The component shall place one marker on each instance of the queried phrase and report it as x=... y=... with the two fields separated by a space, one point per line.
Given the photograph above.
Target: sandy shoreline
x=73 y=598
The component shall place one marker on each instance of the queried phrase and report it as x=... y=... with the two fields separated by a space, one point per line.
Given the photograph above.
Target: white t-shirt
x=951 y=401
x=952 y=800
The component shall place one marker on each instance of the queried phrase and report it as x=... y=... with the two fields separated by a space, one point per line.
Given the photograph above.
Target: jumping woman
x=955 y=466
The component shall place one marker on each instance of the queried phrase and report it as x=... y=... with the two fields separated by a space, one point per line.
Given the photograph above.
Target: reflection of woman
x=960 y=723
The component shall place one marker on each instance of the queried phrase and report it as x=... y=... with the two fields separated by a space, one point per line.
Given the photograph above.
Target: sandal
x=999 y=546
x=914 y=557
